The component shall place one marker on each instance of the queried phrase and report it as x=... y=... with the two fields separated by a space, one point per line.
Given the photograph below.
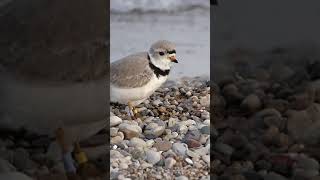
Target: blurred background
x=266 y=84
x=257 y=28
x=136 y=24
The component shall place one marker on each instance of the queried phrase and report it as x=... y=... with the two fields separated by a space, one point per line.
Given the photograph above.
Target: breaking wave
x=145 y=6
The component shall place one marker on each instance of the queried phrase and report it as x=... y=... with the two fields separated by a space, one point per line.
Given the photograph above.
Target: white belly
x=136 y=95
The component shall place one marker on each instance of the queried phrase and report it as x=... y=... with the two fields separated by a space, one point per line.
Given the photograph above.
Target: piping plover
x=135 y=77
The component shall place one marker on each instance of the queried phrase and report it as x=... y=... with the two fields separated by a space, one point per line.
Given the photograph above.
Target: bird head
x=163 y=54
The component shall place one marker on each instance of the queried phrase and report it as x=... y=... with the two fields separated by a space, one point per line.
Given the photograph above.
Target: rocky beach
x=265 y=122
x=170 y=139
x=27 y=156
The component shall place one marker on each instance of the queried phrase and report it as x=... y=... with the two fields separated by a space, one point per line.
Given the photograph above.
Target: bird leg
x=79 y=155
x=66 y=156
x=133 y=112
x=85 y=169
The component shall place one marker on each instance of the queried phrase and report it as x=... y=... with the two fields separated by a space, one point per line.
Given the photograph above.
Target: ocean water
x=135 y=26
x=126 y=6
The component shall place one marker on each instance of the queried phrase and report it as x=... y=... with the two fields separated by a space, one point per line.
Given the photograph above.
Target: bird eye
x=161 y=53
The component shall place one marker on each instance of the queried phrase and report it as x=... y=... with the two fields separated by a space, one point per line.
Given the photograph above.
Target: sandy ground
x=190 y=30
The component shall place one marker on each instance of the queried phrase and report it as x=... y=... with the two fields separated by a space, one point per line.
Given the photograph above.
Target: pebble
x=145 y=165
x=182 y=178
x=123 y=166
x=169 y=162
x=193 y=135
x=137 y=143
x=163 y=145
x=154 y=129
x=307 y=163
x=205 y=115
x=157 y=102
x=192 y=154
x=180 y=148
x=116 y=140
x=115 y=120
x=205 y=100
x=205 y=130
x=150 y=143
x=206 y=159
x=188 y=160
x=114 y=154
x=202 y=151
x=172 y=122
x=224 y=148
x=204 y=138
x=183 y=129
x=304 y=125
x=130 y=130
x=175 y=119
x=206 y=122
x=122 y=177
x=174 y=135
x=138 y=153
x=189 y=93
x=193 y=143
x=188 y=122
x=251 y=103
x=268 y=117
x=113 y=131
x=153 y=157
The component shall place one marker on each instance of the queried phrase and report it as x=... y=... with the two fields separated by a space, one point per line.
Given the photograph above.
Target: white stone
x=192 y=154
x=206 y=159
x=183 y=129
x=115 y=120
x=113 y=131
x=188 y=160
x=172 y=122
x=150 y=143
x=182 y=178
x=180 y=148
x=205 y=100
x=157 y=102
x=207 y=122
x=153 y=157
x=123 y=166
x=137 y=143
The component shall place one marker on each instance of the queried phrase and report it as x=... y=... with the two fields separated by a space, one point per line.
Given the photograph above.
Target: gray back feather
x=131 y=71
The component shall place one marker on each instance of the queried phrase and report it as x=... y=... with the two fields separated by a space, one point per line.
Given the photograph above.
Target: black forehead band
x=172 y=52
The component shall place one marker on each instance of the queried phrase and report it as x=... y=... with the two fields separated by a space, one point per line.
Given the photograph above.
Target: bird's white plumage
x=138 y=94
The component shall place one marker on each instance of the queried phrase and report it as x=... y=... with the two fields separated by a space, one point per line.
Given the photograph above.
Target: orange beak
x=173 y=59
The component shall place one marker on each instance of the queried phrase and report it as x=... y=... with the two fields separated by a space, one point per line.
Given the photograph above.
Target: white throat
x=162 y=63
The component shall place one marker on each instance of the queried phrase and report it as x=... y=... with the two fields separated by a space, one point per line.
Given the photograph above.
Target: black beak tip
x=176 y=61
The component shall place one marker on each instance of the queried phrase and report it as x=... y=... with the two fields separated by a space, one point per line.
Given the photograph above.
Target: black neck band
x=157 y=71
